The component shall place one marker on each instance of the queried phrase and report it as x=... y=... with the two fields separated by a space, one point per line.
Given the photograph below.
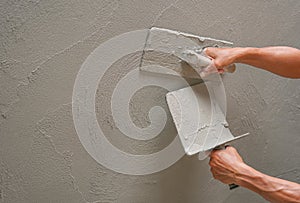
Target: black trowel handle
x=231 y=186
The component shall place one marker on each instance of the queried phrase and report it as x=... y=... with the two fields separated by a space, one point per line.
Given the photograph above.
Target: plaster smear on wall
x=43 y=45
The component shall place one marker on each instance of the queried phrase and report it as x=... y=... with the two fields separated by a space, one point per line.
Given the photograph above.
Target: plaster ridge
x=69 y=164
x=162 y=12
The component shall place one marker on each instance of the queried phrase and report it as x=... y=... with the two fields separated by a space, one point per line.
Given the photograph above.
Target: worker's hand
x=226 y=164
x=221 y=56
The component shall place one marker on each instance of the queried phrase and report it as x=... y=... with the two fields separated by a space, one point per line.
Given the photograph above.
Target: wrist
x=252 y=179
x=244 y=54
x=246 y=175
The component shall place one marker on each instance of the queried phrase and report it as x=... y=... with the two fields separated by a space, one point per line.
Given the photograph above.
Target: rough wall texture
x=44 y=43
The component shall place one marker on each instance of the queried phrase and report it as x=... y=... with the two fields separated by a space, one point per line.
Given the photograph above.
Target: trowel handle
x=232 y=186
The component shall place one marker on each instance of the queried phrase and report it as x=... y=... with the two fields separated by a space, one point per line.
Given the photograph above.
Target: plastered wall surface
x=43 y=45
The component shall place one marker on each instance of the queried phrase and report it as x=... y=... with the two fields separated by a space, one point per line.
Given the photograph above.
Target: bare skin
x=227 y=165
x=283 y=61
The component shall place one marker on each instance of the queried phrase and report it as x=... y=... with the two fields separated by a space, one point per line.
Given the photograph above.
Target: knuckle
x=207 y=50
x=231 y=148
x=215 y=152
x=218 y=155
x=218 y=63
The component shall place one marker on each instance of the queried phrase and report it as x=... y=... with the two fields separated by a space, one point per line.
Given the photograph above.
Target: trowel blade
x=191 y=110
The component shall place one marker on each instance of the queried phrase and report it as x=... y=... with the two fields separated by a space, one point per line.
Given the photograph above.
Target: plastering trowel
x=176 y=51
x=196 y=110
x=199 y=120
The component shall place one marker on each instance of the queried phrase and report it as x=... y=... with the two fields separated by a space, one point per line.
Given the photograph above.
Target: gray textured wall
x=43 y=44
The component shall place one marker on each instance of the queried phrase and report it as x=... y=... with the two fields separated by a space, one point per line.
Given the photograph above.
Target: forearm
x=284 y=61
x=272 y=189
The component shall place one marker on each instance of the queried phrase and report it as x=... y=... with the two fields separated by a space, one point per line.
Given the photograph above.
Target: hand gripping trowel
x=198 y=111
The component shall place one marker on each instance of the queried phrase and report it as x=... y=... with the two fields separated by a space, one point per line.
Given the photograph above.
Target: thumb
x=211 y=52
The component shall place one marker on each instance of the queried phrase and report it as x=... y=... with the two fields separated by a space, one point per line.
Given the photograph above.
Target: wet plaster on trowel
x=44 y=43
x=199 y=120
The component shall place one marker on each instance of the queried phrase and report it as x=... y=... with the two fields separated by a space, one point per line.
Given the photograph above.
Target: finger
x=227 y=145
x=210 y=163
x=209 y=51
x=214 y=175
x=215 y=156
x=221 y=71
x=212 y=153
